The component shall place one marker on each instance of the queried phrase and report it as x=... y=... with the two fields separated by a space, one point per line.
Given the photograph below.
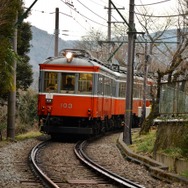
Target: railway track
x=54 y=181
x=79 y=151
x=45 y=180
x=56 y=165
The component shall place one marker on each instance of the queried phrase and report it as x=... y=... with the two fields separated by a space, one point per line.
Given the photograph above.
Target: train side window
x=137 y=90
x=100 y=85
x=122 y=88
x=107 y=86
x=50 y=82
x=85 y=83
x=114 y=88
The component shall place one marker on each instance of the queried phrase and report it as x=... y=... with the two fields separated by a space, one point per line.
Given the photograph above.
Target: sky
x=78 y=17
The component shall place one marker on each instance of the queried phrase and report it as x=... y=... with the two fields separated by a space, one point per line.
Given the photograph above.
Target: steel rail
x=79 y=151
x=45 y=179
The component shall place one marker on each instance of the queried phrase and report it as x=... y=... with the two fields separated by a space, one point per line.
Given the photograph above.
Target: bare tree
x=173 y=57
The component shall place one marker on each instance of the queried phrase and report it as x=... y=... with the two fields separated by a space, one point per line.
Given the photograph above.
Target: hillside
x=42 y=46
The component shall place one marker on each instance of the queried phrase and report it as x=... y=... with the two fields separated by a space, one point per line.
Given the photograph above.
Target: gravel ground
x=14 y=154
x=106 y=153
x=13 y=161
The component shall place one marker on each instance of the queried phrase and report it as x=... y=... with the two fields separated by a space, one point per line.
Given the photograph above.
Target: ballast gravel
x=14 y=156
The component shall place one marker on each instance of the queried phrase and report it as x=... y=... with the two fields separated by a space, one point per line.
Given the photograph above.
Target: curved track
x=45 y=179
x=79 y=151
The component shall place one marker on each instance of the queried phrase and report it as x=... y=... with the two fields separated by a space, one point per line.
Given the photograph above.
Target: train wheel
x=97 y=127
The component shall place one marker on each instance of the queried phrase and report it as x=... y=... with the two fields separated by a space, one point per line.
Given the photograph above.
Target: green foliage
x=8 y=11
x=24 y=69
x=24 y=75
x=27 y=107
x=185 y=174
x=7 y=26
x=28 y=135
x=143 y=143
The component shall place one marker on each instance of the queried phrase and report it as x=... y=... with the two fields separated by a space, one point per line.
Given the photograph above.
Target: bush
x=27 y=107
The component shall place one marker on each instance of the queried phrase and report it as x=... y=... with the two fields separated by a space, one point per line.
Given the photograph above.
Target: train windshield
x=68 y=82
x=57 y=82
x=50 y=81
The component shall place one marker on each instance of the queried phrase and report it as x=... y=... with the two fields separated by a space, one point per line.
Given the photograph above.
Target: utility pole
x=12 y=94
x=56 y=32
x=110 y=3
x=129 y=86
x=109 y=20
x=145 y=81
x=109 y=25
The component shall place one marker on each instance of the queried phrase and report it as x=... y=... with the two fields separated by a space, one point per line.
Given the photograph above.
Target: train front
x=65 y=99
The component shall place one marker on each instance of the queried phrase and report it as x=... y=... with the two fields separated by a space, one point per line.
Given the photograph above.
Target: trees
x=173 y=57
x=9 y=11
x=24 y=69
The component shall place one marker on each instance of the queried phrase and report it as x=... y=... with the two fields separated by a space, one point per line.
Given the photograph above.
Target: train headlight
x=69 y=56
x=49 y=98
x=49 y=101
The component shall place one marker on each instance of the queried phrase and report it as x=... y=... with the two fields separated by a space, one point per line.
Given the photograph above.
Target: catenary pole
x=129 y=86
x=109 y=25
x=56 y=32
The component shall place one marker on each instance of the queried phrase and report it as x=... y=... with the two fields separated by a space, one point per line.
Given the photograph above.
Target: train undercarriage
x=76 y=125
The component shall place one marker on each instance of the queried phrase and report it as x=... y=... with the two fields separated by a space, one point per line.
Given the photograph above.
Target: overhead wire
x=164 y=1
x=74 y=9
x=91 y=10
x=160 y=16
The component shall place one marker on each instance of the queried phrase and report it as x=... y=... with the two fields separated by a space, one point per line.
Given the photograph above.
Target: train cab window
x=68 y=83
x=50 y=82
x=122 y=88
x=85 y=83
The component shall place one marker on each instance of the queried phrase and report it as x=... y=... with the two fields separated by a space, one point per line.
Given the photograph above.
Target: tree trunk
x=148 y=122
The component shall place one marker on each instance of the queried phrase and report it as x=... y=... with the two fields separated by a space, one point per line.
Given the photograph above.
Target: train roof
x=84 y=58
x=81 y=58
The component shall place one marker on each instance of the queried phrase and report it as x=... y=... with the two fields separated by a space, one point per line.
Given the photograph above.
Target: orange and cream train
x=80 y=95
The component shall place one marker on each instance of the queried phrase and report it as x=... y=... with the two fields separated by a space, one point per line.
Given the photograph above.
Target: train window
x=100 y=85
x=67 y=83
x=114 y=88
x=137 y=90
x=50 y=82
x=85 y=83
x=107 y=86
x=122 y=88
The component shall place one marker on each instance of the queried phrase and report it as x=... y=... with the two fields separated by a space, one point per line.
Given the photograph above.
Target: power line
x=154 y=3
x=91 y=10
x=102 y=5
x=154 y=16
x=74 y=9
